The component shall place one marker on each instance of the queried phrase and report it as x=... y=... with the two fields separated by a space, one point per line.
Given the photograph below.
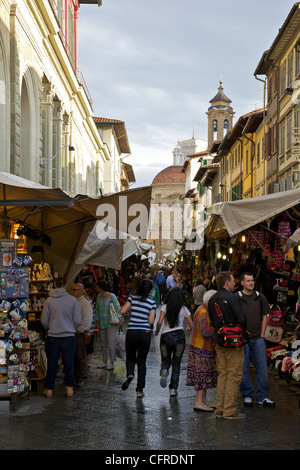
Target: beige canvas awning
x=67 y=220
x=232 y=217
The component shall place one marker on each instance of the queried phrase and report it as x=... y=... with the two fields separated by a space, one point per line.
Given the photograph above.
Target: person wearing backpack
x=225 y=310
x=256 y=308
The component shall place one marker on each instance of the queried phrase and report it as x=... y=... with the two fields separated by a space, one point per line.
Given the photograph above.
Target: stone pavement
x=101 y=416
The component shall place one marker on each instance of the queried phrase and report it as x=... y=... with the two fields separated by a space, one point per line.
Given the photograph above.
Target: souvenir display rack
x=22 y=355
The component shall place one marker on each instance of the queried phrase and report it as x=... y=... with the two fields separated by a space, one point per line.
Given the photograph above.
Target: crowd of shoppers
x=71 y=319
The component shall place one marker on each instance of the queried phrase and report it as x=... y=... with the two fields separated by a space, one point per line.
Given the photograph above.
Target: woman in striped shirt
x=138 y=338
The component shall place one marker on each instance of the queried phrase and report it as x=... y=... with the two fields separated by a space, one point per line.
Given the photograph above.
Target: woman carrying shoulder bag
x=107 y=330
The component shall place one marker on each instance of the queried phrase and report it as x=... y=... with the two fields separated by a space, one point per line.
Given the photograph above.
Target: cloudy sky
x=156 y=64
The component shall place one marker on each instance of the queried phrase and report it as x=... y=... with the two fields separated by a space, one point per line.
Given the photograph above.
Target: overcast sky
x=156 y=64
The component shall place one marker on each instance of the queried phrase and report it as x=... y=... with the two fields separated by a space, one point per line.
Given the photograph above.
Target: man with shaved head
x=81 y=363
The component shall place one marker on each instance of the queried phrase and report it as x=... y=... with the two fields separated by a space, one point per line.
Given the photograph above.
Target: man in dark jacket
x=229 y=360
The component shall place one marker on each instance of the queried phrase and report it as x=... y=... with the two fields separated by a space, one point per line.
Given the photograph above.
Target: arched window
x=215 y=129
x=225 y=127
x=25 y=157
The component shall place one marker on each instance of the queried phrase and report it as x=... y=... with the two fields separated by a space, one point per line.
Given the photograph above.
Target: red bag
x=232 y=336
x=275 y=318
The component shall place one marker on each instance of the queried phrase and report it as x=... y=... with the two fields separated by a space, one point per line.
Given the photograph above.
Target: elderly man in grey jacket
x=61 y=317
x=81 y=363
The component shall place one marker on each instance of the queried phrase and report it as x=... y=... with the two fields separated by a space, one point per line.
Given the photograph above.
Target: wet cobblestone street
x=101 y=416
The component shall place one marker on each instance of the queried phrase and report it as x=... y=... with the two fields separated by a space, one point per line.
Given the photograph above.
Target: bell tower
x=220 y=115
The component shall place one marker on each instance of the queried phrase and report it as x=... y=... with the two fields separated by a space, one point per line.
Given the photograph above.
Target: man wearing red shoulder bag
x=224 y=309
x=256 y=308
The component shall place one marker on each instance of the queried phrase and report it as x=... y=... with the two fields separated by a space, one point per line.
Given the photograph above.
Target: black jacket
x=230 y=307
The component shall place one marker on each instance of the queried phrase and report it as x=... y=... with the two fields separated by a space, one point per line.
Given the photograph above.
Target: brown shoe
x=69 y=391
x=48 y=393
x=235 y=416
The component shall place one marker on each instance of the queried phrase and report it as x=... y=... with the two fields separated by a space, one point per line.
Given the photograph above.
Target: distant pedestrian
x=108 y=331
x=202 y=365
x=61 y=317
x=172 y=341
x=138 y=337
x=81 y=363
x=198 y=293
x=160 y=281
x=171 y=279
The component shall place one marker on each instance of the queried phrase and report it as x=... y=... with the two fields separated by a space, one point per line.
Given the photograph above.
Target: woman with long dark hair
x=138 y=337
x=172 y=340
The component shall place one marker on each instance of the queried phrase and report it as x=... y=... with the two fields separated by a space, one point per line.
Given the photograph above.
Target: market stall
x=48 y=230
x=261 y=236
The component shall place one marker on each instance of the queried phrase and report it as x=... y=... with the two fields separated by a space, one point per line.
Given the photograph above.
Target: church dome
x=171 y=174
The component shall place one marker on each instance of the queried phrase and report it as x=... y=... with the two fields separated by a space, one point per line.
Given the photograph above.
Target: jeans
x=172 y=345
x=256 y=349
x=56 y=347
x=137 y=345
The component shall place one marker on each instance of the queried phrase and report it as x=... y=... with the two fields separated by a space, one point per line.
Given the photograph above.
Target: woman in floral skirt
x=202 y=367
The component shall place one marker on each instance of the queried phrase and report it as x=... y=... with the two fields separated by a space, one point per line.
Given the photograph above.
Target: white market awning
x=232 y=217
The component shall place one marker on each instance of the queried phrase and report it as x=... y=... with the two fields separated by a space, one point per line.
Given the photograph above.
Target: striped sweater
x=140 y=312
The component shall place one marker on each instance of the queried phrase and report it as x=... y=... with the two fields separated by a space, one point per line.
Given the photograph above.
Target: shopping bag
x=120 y=344
x=275 y=318
x=273 y=333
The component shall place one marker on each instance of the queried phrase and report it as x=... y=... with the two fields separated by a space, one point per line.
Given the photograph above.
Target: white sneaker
x=102 y=366
x=110 y=367
x=248 y=401
x=173 y=392
x=266 y=402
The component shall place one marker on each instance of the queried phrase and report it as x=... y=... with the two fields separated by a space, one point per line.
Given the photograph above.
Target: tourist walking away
x=225 y=310
x=202 y=364
x=198 y=293
x=81 y=362
x=172 y=340
x=171 y=280
x=61 y=317
x=256 y=308
x=138 y=337
x=154 y=293
x=160 y=281
x=107 y=329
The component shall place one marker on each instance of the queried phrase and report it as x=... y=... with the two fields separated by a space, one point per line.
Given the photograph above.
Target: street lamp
x=44 y=160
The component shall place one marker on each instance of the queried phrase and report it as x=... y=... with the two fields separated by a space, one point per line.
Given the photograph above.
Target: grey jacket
x=61 y=314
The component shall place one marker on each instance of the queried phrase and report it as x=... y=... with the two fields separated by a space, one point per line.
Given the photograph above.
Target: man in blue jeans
x=61 y=316
x=256 y=308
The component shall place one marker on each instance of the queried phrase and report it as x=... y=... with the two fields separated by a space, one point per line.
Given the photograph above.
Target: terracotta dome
x=171 y=174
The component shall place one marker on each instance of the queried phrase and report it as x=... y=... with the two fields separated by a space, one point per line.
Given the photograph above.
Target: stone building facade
x=47 y=131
